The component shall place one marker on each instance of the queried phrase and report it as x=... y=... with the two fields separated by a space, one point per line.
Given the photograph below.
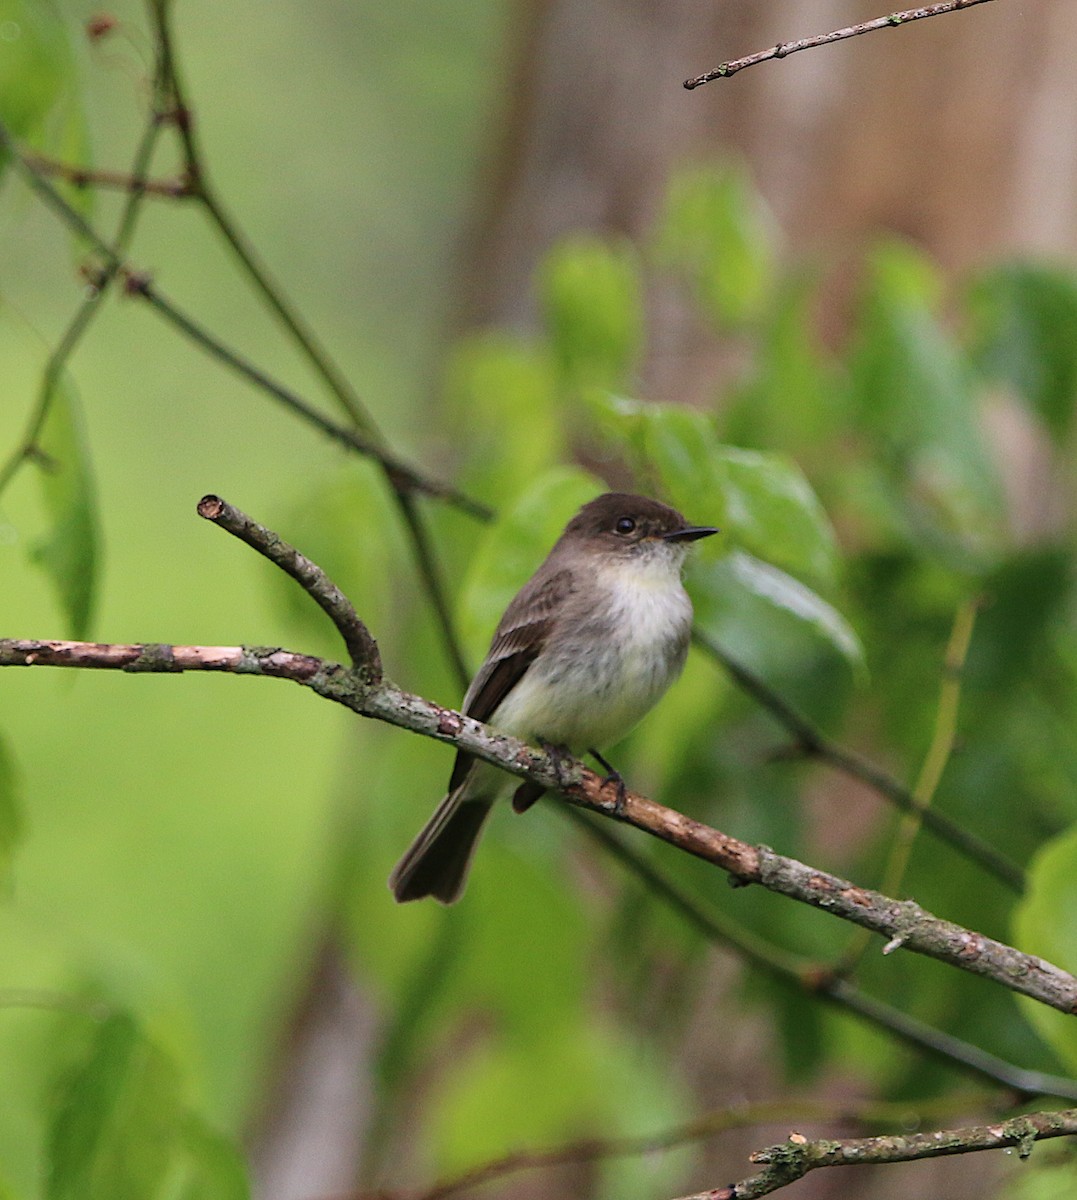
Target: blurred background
x=209 y=853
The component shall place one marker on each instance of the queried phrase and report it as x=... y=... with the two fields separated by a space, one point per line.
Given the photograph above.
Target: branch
x=813 y=743
x=792 y=1160
x=311 y=578
x=305 y=339
x=91 y=303
x=87 y=177
x=783 y=49
x=366 y=692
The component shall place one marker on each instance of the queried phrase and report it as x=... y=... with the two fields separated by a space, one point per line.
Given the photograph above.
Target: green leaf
x=911 y=394
x=10 y=812
x=503 y=392
x=717 y=232
x=70 y=551
x=36 y=65
x=1024 y=335
x=212 y=1168
x=773 y=513
x=1045 y=923
x=789 y=400
x=514 y=546
x=737 y=598
x=592 y=301
x=114 y=1129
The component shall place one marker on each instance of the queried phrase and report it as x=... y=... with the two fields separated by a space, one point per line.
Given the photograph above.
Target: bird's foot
x=612 y=776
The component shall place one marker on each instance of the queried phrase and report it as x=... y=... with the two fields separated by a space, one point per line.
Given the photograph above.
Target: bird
x=584 y=650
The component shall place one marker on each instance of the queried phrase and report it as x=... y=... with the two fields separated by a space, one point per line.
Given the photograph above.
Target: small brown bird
x=583 y=652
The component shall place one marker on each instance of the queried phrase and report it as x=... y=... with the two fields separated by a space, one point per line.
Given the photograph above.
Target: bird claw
x=612 y=776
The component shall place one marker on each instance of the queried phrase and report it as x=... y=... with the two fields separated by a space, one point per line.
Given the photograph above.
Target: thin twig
x=272 y=294
x=813 y=743
x=361 y=647
x=942 y=743
x=784 y=49
x=792 y=1160
x=826 y=985
x=120 y=181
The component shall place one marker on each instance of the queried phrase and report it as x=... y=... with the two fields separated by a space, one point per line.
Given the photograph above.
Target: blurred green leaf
x=592 y=301
x=36 y=66
x=716 y=232
x=911 y=393
x=773 y=513
x=789 y=399
x=211 y=1167
x=503 y=392
x=732 y=595
x=114 y=1129
x=10 y=812
x=1024 y=334
x=1039 y=1180
x=70 y=552
x=586 y=1081
x=1045 y=923
x=514 y=546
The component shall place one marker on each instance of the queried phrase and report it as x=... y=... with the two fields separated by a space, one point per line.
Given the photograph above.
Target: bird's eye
x=625 y=525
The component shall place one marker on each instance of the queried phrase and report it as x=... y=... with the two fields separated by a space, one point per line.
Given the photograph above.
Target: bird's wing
x=518 y=641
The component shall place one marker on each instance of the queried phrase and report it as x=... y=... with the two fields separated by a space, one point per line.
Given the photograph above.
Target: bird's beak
x=692 y=534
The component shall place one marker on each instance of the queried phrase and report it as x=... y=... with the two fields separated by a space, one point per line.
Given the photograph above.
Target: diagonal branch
x=902 y=923
x=784 y=49
x=792 y=1160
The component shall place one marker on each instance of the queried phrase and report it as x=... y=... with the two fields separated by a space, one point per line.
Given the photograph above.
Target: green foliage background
x=176 y=848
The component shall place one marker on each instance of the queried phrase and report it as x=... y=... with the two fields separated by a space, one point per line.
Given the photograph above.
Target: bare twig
x=91 y=304
x=931 y=772
x=784 y=49
x=120 y=181
x=311 y=578
x=811 y=742
x=792 y=1160
x=305 y=339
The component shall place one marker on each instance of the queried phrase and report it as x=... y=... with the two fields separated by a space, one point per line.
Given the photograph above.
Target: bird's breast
x=607 y=662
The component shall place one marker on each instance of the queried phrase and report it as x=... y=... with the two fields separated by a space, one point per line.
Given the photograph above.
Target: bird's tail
x=437 y=861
